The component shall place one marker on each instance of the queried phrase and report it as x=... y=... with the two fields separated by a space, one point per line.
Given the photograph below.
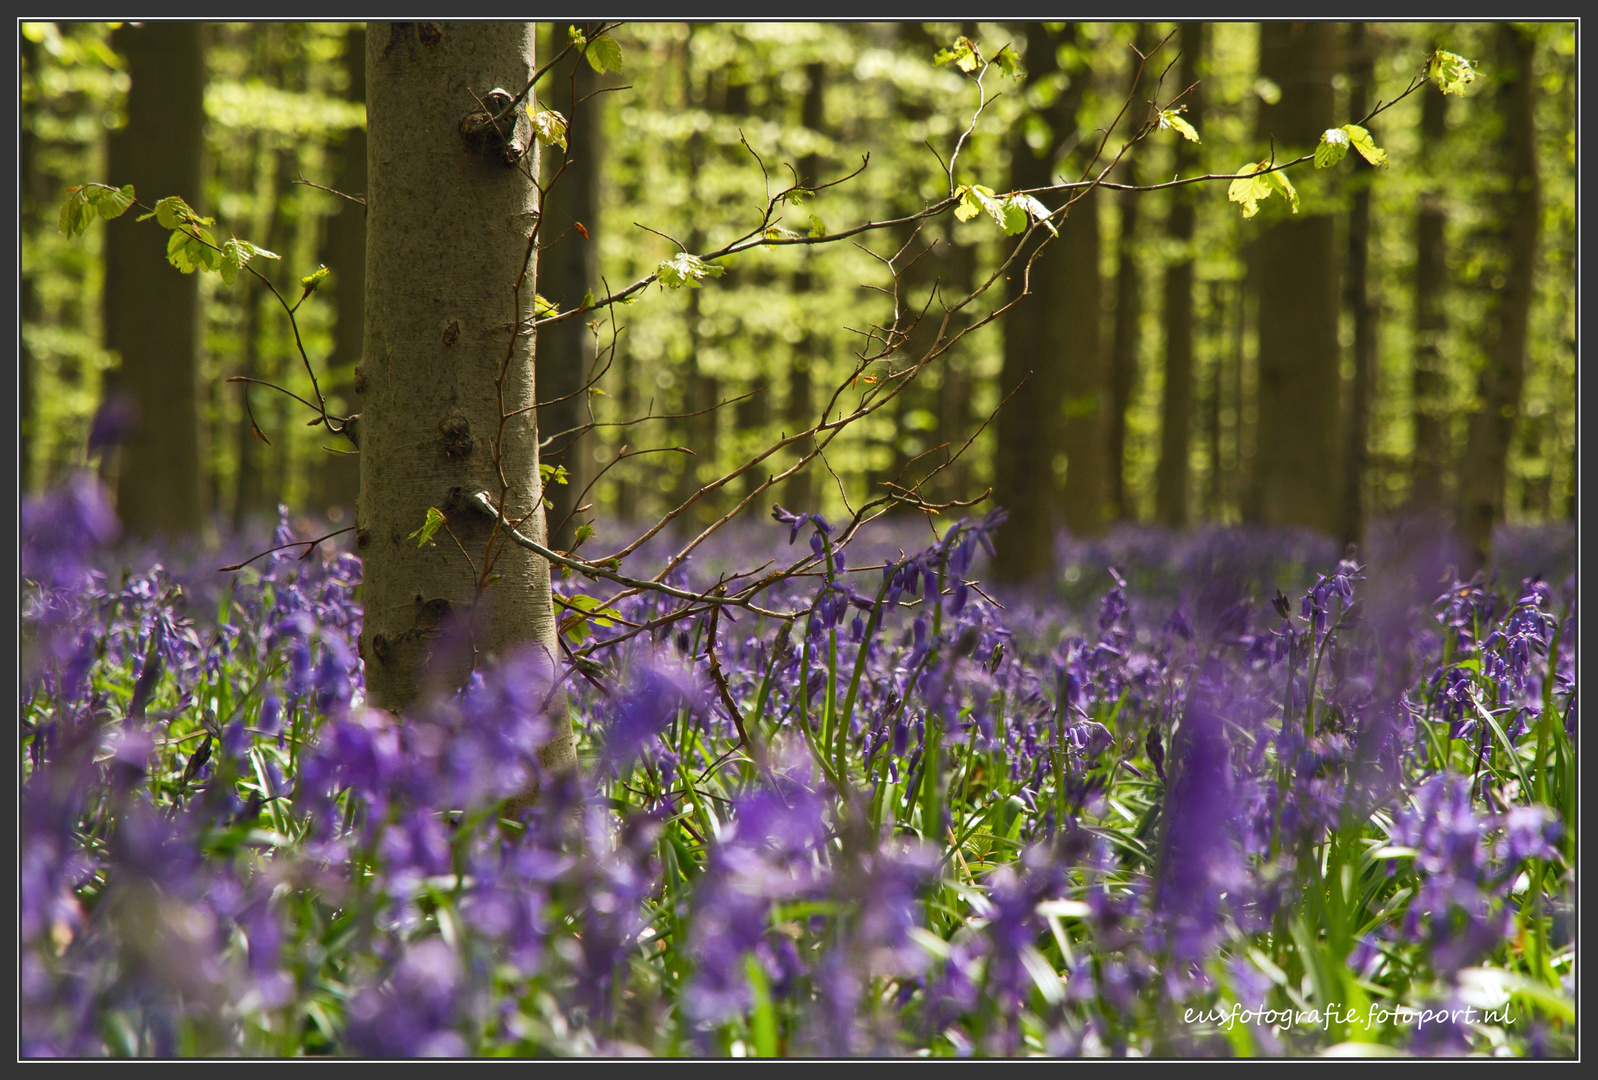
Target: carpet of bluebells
x=1247 y=799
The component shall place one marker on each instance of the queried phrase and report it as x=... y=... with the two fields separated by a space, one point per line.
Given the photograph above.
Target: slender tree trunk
x=800 y=492
x=1498 y=387
x=1357 y=295
x=567 y=271
x=339 y=474
x=1296 y=459
x=1176 y=407
x=1051 y=351
x=448 y=222
x=1433 y=447
x=151 y=310
x=1127 y=337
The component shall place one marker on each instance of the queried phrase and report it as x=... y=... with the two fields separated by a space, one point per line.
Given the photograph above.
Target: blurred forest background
x=1405 y=344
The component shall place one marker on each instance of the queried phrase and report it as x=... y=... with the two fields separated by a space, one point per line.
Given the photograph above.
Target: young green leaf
x=435 y=520
x=1171 y=121
x=75 y=215
x=1280 y=181
x=963 y=53
x=1249 y=189
x=594 y=609
x=549 y=126
x=604 y=54
x=110 y=202
x=971 y=200
x=1330 y=150
x=685 y=269
x=543 y=307
x=193 y=250
x=1034 y=210
x=310 y=281
x=1450 y=71
x=578 y=38
x=1009 y=62
x=552 y=474
x=588 y=299
x=1362 y=141
x=584 y=531
x=818 y=228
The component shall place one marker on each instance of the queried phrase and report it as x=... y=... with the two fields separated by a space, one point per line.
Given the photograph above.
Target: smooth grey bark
x=339 y=475
x=151 y=310
x=1297 y=436
x=1176 y=404
x=568 y=268
x=448 y=222
x=1498 y=389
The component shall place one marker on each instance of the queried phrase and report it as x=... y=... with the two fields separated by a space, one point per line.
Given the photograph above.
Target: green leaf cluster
x=1254 y=185
x=1171 y=120
x=1335 y=142
x=88 y=201
x=1450 y=71
x=1013 y=212
x=602 y=53
x=963 y=53
x=424 y=535
x=549 y=126
x=686 y=269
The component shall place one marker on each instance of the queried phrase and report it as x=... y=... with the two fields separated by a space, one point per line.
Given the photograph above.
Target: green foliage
x=963 y=53
x=424 y=535
x=310 y=281
x=603 y=54
x=1012 y=213
x=1254 y=185
x=85 y=202
x=685 y=268
x=236 y=254
x=1171 y=120
x=1336 y=141
x=1450 y=71
x=548 y=125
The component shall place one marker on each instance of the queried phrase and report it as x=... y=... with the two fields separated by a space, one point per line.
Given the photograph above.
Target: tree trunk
x=1176 y=406
x=1128 y=292
x=1357 y=296
x=1051 y=344
x=1498 y=388
x=151 y=310
x=449 y=282
x=339 y=475
x=800 y=491
x=1433 y=447
x=567 y=270
x=1297 y=443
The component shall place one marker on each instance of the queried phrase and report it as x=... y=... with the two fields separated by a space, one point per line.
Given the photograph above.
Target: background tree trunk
x=151 y=310
x=1492 y=426
x=447 y=228
x=1051 y=341
x=339 y=475
x=1296 y=459
x=1433 y=449
x=1356 y=293
x=1128 y=287
x=567 y=271
x=1176 y=406
x=800 y=492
